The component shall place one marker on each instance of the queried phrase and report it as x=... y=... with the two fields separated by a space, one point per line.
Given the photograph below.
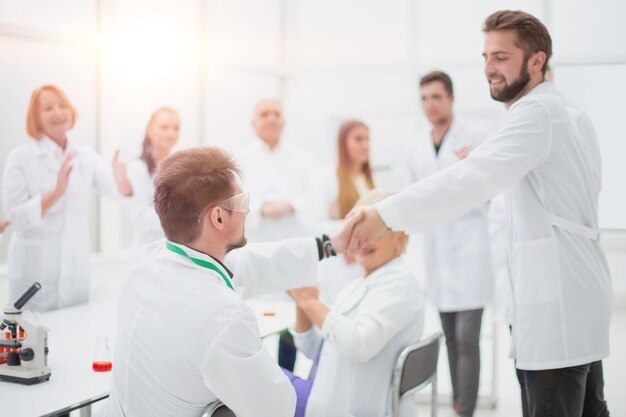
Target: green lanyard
x=200 y=262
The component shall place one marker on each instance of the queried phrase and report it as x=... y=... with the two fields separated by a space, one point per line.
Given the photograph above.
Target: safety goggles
x=239 y=202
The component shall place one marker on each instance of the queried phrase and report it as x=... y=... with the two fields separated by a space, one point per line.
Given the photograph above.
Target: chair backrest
x=223 y=411
x=416 y=367
x=217 y=410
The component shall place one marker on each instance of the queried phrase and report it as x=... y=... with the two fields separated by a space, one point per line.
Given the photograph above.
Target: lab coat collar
x=49 y=146
x=195 y=254
x=50 y=153
x=545 y=87
x=381 y=271
x=362 y=286
x=264 y=147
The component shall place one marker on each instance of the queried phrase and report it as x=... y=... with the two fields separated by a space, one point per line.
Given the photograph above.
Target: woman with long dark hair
x=336 y=191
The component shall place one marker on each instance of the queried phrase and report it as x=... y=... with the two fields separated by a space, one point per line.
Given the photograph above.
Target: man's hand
x=341 y=240
x=276 y=209
x=3 y=225
x=369 y=228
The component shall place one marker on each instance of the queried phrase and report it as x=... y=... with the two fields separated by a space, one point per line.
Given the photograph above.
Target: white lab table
x=71 y=340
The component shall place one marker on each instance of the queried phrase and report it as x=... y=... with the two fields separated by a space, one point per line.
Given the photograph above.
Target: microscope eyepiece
x=27 y=295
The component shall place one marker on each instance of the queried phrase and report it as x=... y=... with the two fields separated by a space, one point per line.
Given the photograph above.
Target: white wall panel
x=584 y=31
x=59 y=17
x=245 y=33
x=348 y=32
x=450 y=31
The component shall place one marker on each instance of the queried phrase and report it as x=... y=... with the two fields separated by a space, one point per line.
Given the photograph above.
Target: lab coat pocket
x=535 y=270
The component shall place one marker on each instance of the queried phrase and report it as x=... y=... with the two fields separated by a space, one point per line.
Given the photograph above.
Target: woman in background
x=161 y=136
x=46 y=187
x=335 y=193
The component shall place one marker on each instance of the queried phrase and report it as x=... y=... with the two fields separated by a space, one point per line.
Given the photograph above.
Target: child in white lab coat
x=355 y=344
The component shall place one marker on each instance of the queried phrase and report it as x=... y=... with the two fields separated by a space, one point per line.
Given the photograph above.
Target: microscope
x=25 y=344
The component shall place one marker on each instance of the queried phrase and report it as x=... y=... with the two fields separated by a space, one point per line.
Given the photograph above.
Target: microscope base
x=33 y=378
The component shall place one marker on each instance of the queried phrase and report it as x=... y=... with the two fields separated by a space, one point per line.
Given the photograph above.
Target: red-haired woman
x=46 y=187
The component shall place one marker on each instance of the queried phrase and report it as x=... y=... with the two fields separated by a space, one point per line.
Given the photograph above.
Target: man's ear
x=537 y=61
x=216 y=216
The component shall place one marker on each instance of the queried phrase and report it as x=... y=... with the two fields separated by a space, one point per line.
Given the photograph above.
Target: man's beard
x=237 y=245
x=510 y=91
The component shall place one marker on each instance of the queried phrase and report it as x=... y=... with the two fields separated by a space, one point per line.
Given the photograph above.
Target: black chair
x=218 y=411
x=416 y=368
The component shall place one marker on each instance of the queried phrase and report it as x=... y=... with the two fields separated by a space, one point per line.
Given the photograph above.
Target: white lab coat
x=503 y=297
x=334 y=273
x=457 y=255
x=185 y=340
x=53 y=249
x=281 y=174
x=373 y=320
x=560 y=277
x=141 y=204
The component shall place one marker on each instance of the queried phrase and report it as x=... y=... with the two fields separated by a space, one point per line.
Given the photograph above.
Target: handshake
x=361 y=227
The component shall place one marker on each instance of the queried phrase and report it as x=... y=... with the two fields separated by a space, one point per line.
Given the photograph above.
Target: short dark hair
x=186 y=184
x=532 y=35
x=440 y=76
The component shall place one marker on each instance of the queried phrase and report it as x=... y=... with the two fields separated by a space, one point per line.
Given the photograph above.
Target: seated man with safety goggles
x=185 y=337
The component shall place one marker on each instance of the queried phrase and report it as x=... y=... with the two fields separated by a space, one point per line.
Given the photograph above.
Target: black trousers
x=286 y=351
x=577 y=391
x=462 y=331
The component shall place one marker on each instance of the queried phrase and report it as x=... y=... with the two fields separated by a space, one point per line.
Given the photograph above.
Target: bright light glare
x=145 y=47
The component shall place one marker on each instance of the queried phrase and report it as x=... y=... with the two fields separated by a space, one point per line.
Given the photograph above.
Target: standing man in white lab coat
x=185 y=337
x=276 y=176
x=559 y=274
x=457 y=253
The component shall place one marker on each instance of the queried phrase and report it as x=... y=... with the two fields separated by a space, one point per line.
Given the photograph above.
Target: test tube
x=102 y=357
